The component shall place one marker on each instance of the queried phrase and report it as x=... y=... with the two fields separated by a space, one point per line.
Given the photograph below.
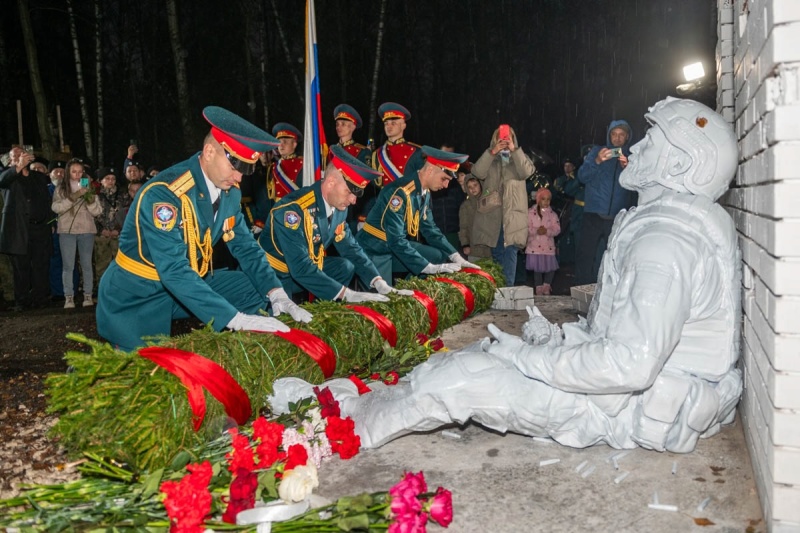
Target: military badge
x=164 y=216
x=395 y=203
x=339 y=232
x=291 y=220
x=227 y=229
x=317 y=237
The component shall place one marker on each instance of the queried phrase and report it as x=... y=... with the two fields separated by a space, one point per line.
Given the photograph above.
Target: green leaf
x=350 y=523
x=151 y=483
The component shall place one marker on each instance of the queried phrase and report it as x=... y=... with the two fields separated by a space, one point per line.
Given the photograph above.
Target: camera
x=616 y=152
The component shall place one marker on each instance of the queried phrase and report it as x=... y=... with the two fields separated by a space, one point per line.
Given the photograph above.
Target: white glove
x=456 y=258
x=384 y=288
x=355 y=297
x=281 y=303
x=443 y=268
x=256 y=230
x=242 y=321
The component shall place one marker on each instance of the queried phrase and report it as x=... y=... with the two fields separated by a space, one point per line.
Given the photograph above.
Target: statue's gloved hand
x=443 y=268
x=460 y=261
x=281 y=303
x=356 y=296
x=384 y=288
x=241 y=321
x=505 y=345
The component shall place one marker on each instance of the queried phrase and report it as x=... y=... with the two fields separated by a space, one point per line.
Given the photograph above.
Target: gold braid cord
x=191 y=236
x=412 y=219
x=308 y=224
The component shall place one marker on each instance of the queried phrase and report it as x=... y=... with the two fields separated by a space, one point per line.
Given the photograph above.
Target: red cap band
x=234 y=147
x=349 y=173
x=346 y=116
x=393 y=114
x=447 y=165
x=286 y=133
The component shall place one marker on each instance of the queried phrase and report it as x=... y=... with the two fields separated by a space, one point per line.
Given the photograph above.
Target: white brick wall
x=758 y=80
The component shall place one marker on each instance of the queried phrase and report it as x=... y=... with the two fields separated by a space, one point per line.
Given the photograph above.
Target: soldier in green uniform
x=164 y=267
x=402 y=214
x=306 y=222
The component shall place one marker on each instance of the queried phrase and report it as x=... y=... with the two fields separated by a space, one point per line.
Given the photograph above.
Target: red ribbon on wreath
x=196 y=372
x=385 y=326
x=480 y=272
x=469 y=298
x=315 y=347
x=430 y=306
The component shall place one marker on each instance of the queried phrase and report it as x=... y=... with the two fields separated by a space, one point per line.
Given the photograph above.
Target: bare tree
x=376 y=69
x=98 y=60
x=180 y=75
x=45 y=131
x=6 y=119
x=300 y=89
x=87 y=128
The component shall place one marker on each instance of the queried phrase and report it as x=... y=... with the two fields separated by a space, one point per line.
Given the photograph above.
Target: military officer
x=347 y=121
x=306 y=222
x=164 y=268
x=402 y=213
x=286 y=173
x=396 y=156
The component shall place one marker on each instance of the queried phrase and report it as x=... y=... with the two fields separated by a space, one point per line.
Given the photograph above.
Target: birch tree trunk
x=32 y=56
x=98 y=65
x=375 y=71
x=87 y=128
x=301 y=92
x=180 y=75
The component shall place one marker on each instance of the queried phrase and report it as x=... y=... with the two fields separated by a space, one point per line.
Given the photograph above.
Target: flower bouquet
x=244 y=477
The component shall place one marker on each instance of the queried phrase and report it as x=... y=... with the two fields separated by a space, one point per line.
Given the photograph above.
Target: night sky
x=557 y=71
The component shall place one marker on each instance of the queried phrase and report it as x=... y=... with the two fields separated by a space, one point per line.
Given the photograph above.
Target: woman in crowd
x=501 y=219
x=76 y=204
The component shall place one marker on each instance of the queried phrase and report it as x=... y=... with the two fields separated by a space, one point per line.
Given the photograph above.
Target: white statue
x=652 y=366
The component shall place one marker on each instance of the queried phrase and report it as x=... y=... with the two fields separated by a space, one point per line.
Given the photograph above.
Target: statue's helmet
x=699 y=153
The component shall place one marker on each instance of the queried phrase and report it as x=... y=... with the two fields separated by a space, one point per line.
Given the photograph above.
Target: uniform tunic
x=402 y=213
x=285 y=175
x=297 y=235
x=394 y=159
x=157 y=275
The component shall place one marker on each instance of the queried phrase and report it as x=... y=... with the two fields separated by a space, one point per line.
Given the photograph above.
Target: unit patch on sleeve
x=164 y=216
x=395 y=203
x=291 y=220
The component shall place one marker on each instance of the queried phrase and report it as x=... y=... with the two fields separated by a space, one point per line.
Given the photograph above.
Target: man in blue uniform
x=402 y=213
x=164 y=267
x=306 y=222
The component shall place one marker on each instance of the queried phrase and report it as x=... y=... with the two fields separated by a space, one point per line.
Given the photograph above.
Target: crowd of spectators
x=57 y=212
x=54 y=212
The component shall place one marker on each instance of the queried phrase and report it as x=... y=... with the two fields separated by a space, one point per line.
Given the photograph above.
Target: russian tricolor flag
x=314 y=148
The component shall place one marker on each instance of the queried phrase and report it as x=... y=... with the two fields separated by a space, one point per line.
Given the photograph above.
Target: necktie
x=330 y=220
x=215 y=206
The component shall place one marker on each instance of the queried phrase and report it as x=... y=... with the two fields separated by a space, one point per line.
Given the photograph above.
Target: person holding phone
x=605 y=197
x=76 y=204
x=501 y=219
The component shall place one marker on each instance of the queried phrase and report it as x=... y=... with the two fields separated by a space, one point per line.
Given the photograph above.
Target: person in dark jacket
x=25 y=229
x=605 y=197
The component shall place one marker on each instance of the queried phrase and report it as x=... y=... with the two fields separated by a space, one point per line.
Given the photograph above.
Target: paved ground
x=499 y=485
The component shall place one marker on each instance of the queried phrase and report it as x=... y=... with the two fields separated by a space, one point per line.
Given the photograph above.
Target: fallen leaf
x=701 y=479
x=720 y=481
x=703 y=522
x=716 y=469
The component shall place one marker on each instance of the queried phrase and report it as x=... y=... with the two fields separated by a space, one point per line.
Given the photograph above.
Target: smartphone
x=28 y=148
x=503 y=134
x=133 y=141
x=616 y=152
x=84 y=182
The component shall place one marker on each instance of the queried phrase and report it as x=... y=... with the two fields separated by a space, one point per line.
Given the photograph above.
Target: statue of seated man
x=654 y=363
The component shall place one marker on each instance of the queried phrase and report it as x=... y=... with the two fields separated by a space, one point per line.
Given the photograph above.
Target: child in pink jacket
x=540 y=252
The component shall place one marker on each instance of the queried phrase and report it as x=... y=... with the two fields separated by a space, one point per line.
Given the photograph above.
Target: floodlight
x=694 y=71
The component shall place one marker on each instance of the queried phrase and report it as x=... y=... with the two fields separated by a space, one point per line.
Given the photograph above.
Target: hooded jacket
x=604 y=195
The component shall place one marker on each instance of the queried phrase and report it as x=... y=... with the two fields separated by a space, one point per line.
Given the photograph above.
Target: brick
x=522 y=304
x=776 y=200
x=783 y=12
x=781 y=124
x=780 y=350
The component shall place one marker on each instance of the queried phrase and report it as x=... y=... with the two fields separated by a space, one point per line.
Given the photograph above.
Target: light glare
x=694 y=71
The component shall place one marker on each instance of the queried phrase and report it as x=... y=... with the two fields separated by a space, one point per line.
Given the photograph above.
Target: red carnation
x=328 y=404
x=422 y=339
x=297 y=456
x=241 y=454
x=243 y=495
x=436 y=344
x=342 y=436
x=188 y=501
x=391 y=378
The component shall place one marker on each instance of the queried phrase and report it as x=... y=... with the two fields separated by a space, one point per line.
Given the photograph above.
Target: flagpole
x=314 y=145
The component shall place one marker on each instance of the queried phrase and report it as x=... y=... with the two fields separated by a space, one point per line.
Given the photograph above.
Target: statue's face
x=647 y=161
